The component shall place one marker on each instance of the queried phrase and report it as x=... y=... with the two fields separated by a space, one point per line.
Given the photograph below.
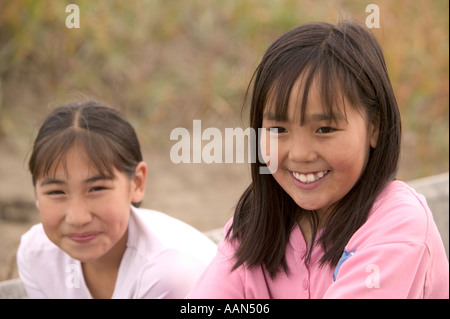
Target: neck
x=306 y=226
x=101 y=274
x=112 y=259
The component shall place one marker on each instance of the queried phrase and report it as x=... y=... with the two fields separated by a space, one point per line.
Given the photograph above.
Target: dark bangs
x=49 y=155
x=101 y=133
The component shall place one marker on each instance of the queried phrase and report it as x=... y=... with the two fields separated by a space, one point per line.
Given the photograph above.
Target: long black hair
x=347 y=60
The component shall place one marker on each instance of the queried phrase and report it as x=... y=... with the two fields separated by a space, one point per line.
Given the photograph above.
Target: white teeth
x=302 y=178
x=309 y=178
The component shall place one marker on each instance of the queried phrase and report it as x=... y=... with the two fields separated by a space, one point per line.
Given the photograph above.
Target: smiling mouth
x=83 y=238
x=309 y=177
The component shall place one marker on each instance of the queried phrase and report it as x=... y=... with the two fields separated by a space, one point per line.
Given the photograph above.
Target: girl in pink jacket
x=330 y=220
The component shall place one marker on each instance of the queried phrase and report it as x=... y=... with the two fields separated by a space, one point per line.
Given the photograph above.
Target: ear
x=374 y=131
x=37 y=204
x=138 y=183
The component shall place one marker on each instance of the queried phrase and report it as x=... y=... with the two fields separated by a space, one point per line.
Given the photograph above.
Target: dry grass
x=164 y=64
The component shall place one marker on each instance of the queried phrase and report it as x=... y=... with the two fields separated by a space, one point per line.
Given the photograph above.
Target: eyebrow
x=49 y=181
x=318 y=117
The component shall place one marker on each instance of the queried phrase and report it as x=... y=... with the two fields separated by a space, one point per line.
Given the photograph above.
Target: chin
x=82 y=256
x=307 y=205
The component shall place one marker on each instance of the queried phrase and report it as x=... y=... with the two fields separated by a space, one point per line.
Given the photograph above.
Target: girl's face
x=320 y=161
x=86 y=214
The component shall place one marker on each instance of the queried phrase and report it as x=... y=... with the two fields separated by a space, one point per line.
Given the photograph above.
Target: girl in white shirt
x=88 y=173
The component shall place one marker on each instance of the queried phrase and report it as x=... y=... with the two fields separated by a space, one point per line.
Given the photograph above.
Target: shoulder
x=399 y=214
x=172 y=275
x=399 y=194
x=172 y=254
x=42 y=266
x=228 y=246
x=153 y=232
x=220 y=280
x=36 y=242
x=169 y=230
x=399 y=246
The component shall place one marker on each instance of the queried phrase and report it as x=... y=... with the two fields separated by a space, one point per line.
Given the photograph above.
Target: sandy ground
x=203 y=195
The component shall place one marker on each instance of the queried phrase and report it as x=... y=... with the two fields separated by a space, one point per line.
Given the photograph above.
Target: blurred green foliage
x=164 y=63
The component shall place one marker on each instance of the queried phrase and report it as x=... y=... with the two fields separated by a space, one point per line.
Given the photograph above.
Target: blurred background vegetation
x=164 y=63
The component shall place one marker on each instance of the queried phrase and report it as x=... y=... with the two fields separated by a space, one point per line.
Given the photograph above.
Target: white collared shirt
x=163 y=259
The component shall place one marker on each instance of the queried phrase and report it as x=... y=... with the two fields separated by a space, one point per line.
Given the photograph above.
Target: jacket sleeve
x=218 y=281
x=397 y=253
x=391 y=270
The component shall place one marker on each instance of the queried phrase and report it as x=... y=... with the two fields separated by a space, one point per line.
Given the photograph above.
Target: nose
x=77 y=212
x=302 y=149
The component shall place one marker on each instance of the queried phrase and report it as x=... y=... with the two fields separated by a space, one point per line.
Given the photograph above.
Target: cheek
x=116 y=225
x=347 y=158
x=114 y=214
x=50 y=214
x=117 y=217
x=51 y=218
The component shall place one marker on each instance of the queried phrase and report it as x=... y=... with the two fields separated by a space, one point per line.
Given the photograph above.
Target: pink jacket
x=397 y=253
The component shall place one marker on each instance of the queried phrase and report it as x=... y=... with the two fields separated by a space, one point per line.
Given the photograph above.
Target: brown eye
x=55 y=192
x=325 y=130
x=278 y=129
